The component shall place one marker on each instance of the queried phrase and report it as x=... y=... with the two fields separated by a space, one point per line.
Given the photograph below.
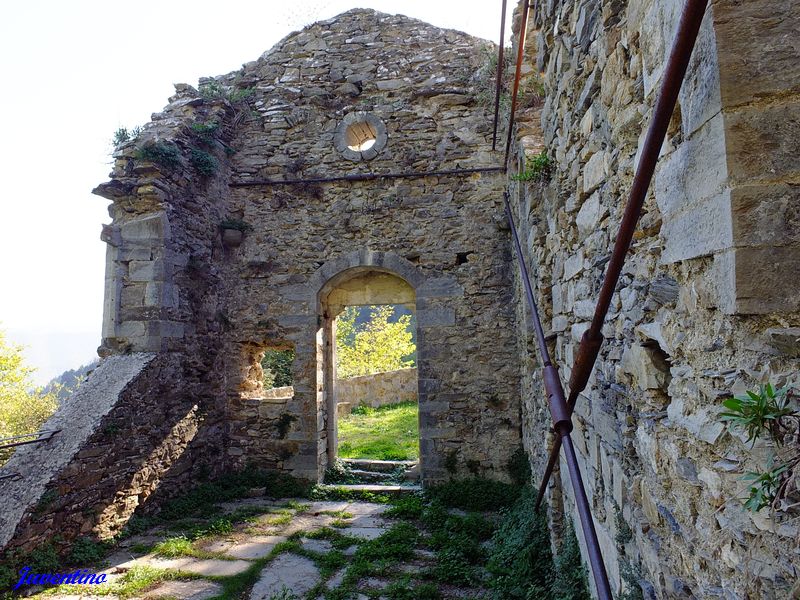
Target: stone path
x=275 y=547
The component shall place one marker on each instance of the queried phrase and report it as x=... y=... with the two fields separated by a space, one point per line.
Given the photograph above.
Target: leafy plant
x=123 y=135
x=537 y=168
x=476 y=494
x=214 y=90
x=759 y=413
x=203 y=162
x=205 y=132
x=237 y=224
x=764 y=488
x=570 y=582
x=85 y=551
x=165 y=154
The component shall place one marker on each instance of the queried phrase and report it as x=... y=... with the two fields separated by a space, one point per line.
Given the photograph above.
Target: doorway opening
x=371 y=382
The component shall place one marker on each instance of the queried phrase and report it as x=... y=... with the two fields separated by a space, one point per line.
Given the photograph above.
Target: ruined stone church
x=353 y=164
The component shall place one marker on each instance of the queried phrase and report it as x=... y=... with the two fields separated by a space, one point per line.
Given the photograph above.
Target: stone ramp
x=78 y=418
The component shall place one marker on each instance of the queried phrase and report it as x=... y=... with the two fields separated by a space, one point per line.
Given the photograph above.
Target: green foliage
x=537 y=168
x=341 y=493
x=203 y=162
x=277 y=366
x=396 y=544
x=570 y=581
x=408 y=507
x=519 y=467
x=86 y=551
x=205 y=132
x=284 y=424
x=375 y=346
x=520 y=562
x=23 y=407
x=759 y=414
x=764 y=487
x=765 y=414
x=123 y=135
x=340 y=472
x=214 y=90
x=237 y=224
x=476 y=494
x=389 y=432
x=165 y=154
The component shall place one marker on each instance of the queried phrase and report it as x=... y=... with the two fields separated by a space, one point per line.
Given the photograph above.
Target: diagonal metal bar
x=39 y=436
x=675 y=71
x=517 y=74
x=499 y=82
x=562 y=424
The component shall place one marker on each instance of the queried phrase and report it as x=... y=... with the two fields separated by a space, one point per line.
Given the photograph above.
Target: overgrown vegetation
x=165 y=154
x=382 y=343
x=388 y=432
x=277 y=366
x=768 y=414
x=124 y=135
x=205 y=164
x=537 y=168
x=214 y=90
x=24 y=407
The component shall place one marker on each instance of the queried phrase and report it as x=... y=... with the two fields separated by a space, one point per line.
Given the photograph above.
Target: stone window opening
x=361 y=136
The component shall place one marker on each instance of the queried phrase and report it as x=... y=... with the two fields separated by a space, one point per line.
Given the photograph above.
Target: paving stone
x=318 y=507
x=367 y=521
x=366 y=508
x=321 y=546
x=208 y=567
x=255 y=547
x=365 y=533
x=336 y=580
x=198 y=589
x=288 y=571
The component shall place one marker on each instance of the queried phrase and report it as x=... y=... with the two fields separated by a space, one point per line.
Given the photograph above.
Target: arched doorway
x=357 y=291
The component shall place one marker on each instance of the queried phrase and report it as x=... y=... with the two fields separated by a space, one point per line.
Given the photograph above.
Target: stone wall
x=377 y=389
x=700 y=307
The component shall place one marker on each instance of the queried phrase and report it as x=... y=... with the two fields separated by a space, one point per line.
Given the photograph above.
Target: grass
x=389 y=432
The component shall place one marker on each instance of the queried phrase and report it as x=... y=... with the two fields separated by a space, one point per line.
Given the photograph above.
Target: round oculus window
x=360 y=136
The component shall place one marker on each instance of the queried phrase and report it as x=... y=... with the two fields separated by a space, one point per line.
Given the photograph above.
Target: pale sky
x=75 y=71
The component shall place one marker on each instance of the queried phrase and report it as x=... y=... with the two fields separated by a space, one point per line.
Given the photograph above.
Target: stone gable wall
x=694 y=319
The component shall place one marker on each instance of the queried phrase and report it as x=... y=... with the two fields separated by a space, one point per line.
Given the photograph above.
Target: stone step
x=381 y=466
x=392 y=490
x=370 y=476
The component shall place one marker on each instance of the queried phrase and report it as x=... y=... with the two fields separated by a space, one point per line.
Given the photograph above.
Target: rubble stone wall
x=378 y=389
x=708 y=296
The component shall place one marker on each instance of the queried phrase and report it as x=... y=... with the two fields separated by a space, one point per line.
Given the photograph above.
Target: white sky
x=74 y=71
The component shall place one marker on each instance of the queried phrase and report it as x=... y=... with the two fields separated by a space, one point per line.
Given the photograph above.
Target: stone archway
x=358 y=286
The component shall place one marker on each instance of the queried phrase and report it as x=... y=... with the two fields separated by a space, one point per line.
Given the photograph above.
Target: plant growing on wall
x=537 y=168
x=165 y=154
x=768 y=414
x=377 y=345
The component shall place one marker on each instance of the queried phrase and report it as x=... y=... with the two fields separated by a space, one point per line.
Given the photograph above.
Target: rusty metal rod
x=517 y=74
x=369 y=176
x=499 y=82
x=39 y=438
x=562 y=424
x=675 y=71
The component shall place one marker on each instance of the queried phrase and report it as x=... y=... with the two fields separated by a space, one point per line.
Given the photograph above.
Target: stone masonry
x=708 y=300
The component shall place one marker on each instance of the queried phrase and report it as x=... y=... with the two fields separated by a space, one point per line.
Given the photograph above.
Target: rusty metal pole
x=675 y=71
x=517 y=74
x=499 y=81
x=562 y=424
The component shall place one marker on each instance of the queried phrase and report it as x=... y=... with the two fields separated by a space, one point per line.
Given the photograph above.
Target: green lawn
x=390 y=432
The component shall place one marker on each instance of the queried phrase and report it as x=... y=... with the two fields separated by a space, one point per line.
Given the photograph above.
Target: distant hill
x=69 y=380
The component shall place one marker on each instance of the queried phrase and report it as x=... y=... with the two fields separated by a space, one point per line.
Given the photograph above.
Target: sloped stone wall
x=694 y=318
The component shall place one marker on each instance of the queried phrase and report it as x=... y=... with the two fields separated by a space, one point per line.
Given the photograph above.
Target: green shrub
x=85 y=551
x=537 y=168
x=476 y=494
x=203 y=162
x=165 y=154
x=520 y=562
x=570 y=581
